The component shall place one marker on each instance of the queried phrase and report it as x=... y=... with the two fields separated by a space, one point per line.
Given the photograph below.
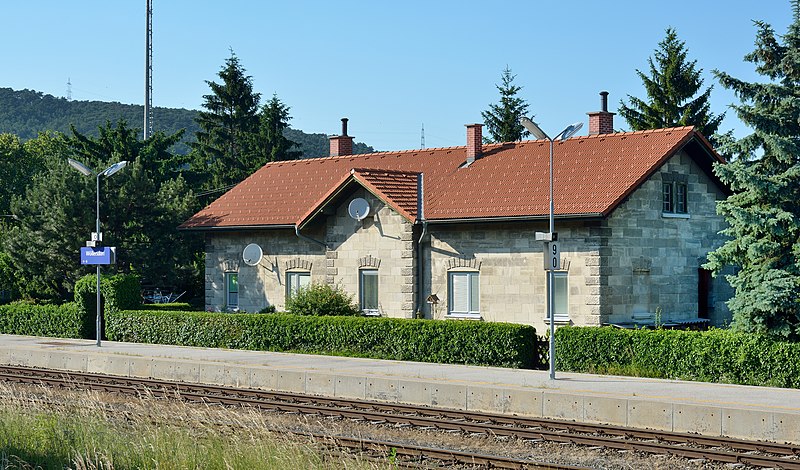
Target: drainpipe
x=420 y=251
x=309 y=239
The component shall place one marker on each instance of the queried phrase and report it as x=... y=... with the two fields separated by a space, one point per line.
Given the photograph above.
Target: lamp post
x=568 y=132
x=86 y=171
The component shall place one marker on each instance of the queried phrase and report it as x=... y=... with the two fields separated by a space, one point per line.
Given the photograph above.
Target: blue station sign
x=99 y=255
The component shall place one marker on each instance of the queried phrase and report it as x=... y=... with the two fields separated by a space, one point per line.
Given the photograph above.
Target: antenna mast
x=69 y=89
x=148 y=74
x=422 y=137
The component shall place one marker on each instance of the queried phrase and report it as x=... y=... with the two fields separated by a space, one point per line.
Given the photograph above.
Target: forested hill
x=27 y=112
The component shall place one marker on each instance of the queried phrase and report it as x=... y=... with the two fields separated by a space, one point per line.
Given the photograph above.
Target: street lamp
x=568 y=132
x=86 y=171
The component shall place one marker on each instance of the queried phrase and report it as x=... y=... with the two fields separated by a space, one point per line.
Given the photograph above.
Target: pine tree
x=273 y=145
x=764 y=212
x=224 y=151
x=671 y=88
x=502 y=120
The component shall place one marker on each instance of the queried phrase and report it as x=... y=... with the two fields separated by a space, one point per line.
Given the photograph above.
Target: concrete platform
x=755 y=413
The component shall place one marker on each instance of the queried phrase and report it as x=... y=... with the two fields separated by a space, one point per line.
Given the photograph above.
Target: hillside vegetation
x=25 y=113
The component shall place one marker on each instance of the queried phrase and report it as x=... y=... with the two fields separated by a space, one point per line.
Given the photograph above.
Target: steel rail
x=471 y=422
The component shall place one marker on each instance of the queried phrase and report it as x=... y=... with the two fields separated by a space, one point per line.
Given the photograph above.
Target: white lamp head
x=79 y=166
x=571 y=130
x=533 y=128
x=114 y=168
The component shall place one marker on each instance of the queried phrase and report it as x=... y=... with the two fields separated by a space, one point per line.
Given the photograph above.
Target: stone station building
x=635 y=216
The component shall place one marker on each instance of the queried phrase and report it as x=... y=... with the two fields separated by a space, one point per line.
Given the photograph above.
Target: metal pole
x=97 y=228
x=550 y=303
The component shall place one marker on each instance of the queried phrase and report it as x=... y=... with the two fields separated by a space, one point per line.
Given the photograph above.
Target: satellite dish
x=252 y=254
x=358 y=208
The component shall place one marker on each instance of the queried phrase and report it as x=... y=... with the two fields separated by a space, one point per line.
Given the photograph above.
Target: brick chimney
x=474 y=142
x=341 y=144
x=601 y=122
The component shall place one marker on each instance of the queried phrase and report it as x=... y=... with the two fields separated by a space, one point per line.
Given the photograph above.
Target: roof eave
x=515 y=218
x=224 y=228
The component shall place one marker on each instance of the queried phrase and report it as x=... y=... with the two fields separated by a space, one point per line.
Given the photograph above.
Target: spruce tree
x=224 y=150
x=502 y=119
x=671 y=90
x=764 y=211
x=273 y=145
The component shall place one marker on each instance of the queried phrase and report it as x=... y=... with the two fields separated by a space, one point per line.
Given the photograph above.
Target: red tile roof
x=592 y=175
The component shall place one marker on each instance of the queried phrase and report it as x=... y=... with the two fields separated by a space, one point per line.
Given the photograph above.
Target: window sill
x=371 y=313
x=560 y=320
x=673 y=215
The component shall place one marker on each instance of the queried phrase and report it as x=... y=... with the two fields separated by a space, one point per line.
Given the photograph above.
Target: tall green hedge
x=710 y=356
x=454 y=342
x=119 y=292
x=58 y=321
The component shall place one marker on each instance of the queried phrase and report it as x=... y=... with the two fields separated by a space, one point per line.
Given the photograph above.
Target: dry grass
x=93 y=430
x=43 y=428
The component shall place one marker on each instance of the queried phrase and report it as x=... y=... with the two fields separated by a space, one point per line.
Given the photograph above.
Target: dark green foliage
x=118 y=292
x=671 y=88
x=58 y=321
x=763 y=214
x=709 y=356
x=141 y=207
x=9 y=289
x=451 y=342
x=502 y=120
x=272 y=142
x=322 y=299
x=26 y=113
x=225 y=150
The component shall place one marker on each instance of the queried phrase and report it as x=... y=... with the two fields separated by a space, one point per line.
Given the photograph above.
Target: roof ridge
x=615 y=134
x=384 y=170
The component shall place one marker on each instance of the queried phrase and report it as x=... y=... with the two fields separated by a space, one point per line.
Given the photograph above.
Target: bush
x=321 y=299
x=709 y=356
x=59 y=321
x=451 y=342
x=119 y=292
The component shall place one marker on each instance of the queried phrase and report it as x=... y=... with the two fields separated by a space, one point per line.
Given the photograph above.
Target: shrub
x=710 y=356
x=173 y=306
x=453 y=342
x=119 y=292
x=321 y=299
x=59 y=321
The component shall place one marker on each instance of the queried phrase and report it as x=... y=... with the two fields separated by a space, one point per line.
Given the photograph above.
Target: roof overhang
x=228 y=228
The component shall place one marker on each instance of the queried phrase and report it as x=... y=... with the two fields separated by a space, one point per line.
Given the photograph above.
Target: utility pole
x=148 y=74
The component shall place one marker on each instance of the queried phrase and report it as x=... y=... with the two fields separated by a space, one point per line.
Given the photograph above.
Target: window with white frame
x=368 y=291
x=561 y=296
x=296 y=280
x=675 y=194
x=463 y=294
x=232 y=290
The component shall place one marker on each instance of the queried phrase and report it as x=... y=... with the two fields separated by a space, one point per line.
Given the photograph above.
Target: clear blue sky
x=388 y=66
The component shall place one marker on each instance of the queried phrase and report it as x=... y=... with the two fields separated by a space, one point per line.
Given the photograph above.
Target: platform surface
x=755 y=413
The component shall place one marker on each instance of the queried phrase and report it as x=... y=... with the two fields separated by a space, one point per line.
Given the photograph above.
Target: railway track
x=690 y=446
